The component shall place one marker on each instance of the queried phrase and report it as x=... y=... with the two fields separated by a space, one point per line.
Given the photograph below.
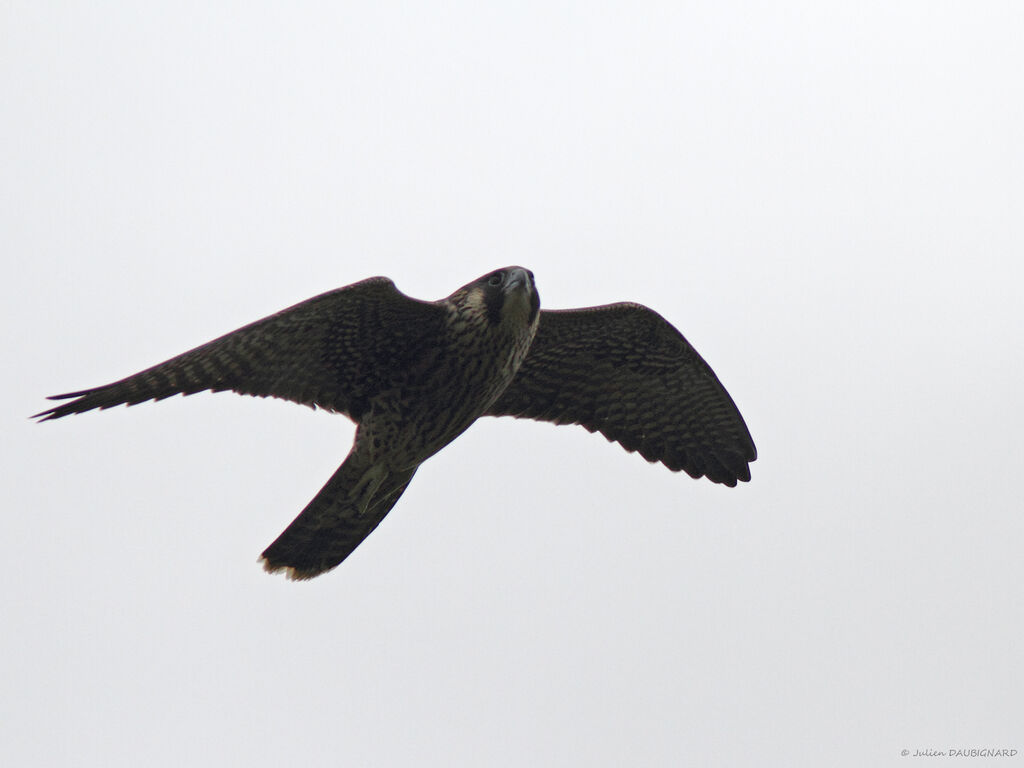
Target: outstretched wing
x=623 y=370
x=334 y=351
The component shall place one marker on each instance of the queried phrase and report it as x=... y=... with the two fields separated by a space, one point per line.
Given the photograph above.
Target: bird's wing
x=333 y=351
x=624 y=371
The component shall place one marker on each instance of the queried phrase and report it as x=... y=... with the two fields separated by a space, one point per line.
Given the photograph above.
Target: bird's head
x=505 y=297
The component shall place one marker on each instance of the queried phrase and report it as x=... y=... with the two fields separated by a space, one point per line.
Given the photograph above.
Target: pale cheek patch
x=475 y=300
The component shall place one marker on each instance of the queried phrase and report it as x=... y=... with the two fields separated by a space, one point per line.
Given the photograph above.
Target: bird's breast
x=446 y=388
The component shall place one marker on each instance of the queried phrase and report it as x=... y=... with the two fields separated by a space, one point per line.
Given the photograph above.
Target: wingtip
x=60 y=410
x=68 y=395
x=47 y=415
x=733 y=474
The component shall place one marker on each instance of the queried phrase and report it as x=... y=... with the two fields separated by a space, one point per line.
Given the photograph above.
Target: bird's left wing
x=333 y=351
x=623 y=370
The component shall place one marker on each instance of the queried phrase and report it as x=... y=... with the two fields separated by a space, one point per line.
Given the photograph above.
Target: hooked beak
x=517 y=278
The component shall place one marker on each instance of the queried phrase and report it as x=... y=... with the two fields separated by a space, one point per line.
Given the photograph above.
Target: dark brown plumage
x=624 y=371
x=414 y=375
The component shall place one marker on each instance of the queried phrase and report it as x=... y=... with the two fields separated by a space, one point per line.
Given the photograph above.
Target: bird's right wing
x=623 y=370
x=333 y=351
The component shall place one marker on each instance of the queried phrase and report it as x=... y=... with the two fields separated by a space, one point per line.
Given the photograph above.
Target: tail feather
x=333 y=524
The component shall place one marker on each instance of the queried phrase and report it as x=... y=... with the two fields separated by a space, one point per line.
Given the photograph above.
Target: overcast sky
x=825 y=198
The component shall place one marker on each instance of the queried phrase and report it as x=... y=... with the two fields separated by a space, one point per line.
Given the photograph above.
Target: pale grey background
x=826 y=198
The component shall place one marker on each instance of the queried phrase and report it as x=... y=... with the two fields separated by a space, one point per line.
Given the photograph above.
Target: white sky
x=826 y=198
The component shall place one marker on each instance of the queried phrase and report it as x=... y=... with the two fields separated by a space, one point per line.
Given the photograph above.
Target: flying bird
x=413 y=375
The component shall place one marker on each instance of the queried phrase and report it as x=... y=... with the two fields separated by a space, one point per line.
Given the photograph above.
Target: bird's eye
x=495 y=279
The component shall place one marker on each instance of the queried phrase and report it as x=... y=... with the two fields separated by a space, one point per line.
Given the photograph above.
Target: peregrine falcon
x=414 y=375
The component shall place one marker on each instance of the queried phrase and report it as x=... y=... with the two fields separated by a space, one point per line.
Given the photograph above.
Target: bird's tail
x=335 y=522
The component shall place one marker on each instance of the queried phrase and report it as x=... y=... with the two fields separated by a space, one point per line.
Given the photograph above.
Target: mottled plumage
x=414 y=375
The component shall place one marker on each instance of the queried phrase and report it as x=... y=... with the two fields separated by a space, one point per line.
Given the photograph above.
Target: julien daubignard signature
x=974 y=752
